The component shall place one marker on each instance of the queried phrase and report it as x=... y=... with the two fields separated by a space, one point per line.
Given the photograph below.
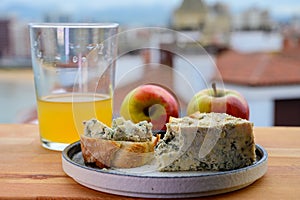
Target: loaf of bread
x=124 y=145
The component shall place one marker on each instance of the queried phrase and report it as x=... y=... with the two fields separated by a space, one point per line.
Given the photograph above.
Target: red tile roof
x=260 y=69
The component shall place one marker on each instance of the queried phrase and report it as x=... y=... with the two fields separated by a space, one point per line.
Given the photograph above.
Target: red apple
x=220 y=101
x=152 y=103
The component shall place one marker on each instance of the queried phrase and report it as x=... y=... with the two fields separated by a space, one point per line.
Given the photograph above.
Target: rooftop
x=261 y=68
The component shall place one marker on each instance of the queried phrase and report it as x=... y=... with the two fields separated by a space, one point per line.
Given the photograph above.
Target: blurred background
x=251 y=46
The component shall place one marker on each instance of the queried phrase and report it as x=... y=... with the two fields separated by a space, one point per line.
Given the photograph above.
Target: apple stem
x=213 y=85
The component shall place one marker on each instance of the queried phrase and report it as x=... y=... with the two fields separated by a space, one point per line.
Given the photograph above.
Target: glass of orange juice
x=74 y=72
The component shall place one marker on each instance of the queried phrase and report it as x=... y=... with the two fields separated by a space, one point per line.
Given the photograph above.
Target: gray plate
x=145 y=181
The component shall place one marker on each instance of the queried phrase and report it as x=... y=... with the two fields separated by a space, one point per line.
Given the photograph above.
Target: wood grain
x=28 y=171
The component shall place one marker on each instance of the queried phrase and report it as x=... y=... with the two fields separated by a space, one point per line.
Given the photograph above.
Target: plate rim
x=65 y=156
x=183 y=186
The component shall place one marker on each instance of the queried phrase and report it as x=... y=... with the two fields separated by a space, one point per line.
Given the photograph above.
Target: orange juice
x=61 y=116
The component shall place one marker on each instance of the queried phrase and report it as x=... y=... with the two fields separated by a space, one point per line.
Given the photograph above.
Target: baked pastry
x=124 y=145
x=206 y=141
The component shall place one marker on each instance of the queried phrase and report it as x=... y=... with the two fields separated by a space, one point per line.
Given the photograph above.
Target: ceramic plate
x=146 y=182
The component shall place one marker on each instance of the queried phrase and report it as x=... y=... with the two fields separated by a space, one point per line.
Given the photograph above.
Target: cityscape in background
x=212 y=25
x=255 y=50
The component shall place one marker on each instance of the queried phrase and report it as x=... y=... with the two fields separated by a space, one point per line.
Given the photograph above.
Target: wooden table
x=28 y=171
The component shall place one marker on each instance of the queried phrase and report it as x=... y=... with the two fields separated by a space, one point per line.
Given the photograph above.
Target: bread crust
x=118 y=154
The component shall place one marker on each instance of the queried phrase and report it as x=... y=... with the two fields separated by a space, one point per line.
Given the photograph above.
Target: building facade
x=5 y=39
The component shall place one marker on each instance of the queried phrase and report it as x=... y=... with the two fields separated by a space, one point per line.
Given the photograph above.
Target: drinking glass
x=74 y=73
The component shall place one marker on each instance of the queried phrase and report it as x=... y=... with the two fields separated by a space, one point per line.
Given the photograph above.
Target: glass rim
x=73 y=25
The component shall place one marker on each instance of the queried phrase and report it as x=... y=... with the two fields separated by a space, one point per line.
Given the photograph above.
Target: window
x=287 y=112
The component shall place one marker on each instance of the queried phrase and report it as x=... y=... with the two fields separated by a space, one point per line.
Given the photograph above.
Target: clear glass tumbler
x=74 y=72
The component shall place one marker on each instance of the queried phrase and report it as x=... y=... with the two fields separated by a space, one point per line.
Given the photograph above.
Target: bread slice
x=125 y=145
x=206 y=141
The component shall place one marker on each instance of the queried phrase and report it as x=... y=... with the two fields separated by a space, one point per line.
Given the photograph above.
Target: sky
x=103 y=10
x=143 y=11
